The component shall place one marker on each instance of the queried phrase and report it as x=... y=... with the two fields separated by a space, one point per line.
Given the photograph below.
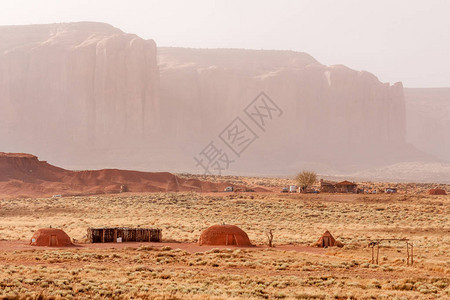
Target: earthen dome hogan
x=224 y=235
x=51 y=237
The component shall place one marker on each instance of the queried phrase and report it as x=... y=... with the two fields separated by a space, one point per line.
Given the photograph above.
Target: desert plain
x=219 y=89
x=179 y=268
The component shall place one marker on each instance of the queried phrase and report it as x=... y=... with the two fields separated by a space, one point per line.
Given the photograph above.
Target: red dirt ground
x=379 y=274
x=23 y=175
x=19 y=245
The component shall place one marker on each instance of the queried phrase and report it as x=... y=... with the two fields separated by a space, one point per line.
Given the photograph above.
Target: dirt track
x=189 y=247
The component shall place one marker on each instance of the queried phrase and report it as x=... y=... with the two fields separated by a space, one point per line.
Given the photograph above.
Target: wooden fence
x=123 y=234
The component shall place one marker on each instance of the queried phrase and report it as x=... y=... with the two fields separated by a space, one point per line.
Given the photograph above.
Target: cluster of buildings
x=221 y=234
x=327 y=187
x=338 y=187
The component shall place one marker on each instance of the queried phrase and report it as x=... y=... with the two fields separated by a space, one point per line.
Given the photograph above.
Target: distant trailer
x=123 y=234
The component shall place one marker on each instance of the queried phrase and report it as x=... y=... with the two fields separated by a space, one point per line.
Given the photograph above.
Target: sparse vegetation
x=269 y=235
x=173 y=272
x=306 y=179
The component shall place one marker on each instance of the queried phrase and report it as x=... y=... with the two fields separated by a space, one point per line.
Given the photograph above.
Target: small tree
x=305 y=179
x=269 y=235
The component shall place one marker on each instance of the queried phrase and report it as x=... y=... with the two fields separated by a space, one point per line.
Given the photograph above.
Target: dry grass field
x=284 y=272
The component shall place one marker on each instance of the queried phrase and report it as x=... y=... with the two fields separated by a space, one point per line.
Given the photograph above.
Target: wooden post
x=372 y=261
x=407 y=253
x=412 y=254
x=270 y=237
x=378 y=251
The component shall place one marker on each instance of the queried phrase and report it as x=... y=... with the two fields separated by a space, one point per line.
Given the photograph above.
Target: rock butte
x=106 y=94
x=428 y=120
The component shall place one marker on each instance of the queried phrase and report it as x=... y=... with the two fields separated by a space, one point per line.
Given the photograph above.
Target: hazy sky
x=397 y=40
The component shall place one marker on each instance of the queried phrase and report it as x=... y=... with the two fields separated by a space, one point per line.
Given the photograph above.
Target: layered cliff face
x=87 y=95
x=67 y=89
x=428 y=120
x=333 y=117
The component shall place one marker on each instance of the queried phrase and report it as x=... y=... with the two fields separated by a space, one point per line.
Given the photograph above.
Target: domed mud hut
x=437 y=192
x=51 y=237
x=224 y=235
x=327 y=240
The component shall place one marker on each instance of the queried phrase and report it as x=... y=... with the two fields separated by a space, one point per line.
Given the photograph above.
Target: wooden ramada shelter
x=123 y=234
x=338 y=187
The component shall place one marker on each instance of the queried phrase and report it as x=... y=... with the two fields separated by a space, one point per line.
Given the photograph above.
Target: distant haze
x=87 y=95
x=396 y=40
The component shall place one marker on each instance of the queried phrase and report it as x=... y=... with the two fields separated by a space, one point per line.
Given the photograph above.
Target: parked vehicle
x=229 y=189
x=285 y=190
x=292 y=189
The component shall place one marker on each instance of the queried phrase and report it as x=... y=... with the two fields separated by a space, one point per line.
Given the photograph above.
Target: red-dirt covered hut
x=224 y=235
x=327 y=240
x=51 y=237
x=437 y=192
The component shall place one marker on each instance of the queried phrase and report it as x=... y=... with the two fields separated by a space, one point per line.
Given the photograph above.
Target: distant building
x=338 y=187
x=327 y=186
x=346 y=187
